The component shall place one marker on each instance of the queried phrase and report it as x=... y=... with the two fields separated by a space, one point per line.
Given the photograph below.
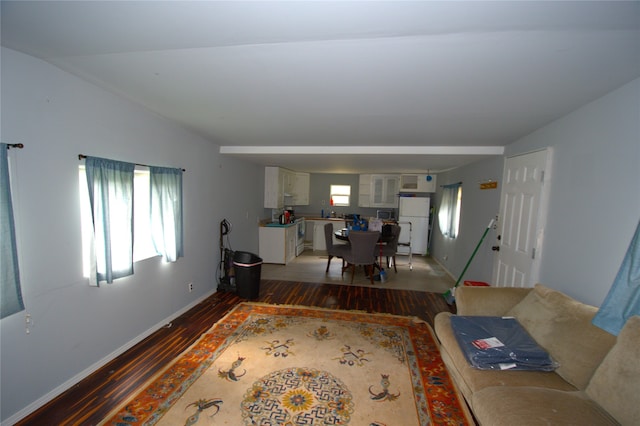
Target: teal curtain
x=166 y=212
x=110 y=185
x=449 y=211
x=10 y=292
x=623 y=300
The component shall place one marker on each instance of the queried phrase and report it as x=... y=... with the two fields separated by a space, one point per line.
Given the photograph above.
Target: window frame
x=336 y=190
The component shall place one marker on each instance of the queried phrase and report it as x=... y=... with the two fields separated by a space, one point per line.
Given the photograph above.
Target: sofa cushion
x=470 y=380
x=616 y=383
x=563 y=327
x=490 y=301
x=502 y=406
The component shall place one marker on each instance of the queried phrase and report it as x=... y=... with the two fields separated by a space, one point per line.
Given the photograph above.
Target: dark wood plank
x=89 y=401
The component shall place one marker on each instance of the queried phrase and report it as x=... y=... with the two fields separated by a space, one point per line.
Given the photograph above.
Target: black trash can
x=247 y=267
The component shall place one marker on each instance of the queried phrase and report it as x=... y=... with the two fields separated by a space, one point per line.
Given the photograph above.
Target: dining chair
x=363 y=252
x=391 y=247
x=333 y=250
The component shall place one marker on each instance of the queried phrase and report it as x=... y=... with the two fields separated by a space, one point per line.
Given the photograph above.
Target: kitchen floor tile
x=425 y=275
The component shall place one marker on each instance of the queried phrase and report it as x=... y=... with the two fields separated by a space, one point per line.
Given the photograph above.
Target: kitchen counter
x=315 y=229
x=309 y=218
x=268 y=224
x=280 y=243
x=277 y=225
x=339 y=219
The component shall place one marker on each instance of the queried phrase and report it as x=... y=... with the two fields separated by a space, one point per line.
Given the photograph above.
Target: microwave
x=386 y=214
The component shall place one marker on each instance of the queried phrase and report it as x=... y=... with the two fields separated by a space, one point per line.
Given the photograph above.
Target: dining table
x=343 y=235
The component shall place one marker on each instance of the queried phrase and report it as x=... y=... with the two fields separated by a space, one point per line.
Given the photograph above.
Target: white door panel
x=521 y=220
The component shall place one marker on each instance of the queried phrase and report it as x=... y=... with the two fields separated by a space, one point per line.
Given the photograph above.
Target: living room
x=73 y=328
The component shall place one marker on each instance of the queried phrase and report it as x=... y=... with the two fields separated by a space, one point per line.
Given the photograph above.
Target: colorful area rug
x=284 y=365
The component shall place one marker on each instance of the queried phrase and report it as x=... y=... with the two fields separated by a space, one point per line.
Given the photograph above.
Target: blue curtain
x=449 y=211
x=110 y=185
x=166 y=212
x=623 y=300
x=10 y=293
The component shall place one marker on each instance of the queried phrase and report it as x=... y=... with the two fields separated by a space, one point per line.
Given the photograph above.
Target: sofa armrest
x=488 y=301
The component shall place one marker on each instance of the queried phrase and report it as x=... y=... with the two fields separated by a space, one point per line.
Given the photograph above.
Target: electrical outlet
x=190 y=286
x=28 y=323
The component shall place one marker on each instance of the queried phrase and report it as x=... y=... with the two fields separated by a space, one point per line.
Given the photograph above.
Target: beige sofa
x=598 y=378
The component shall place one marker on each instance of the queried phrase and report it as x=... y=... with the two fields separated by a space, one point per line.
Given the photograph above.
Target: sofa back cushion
x=488 y=301
x=616 y=383
x=562 y=326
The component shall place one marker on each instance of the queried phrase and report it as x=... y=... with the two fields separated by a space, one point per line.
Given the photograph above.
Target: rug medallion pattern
x=282 y=365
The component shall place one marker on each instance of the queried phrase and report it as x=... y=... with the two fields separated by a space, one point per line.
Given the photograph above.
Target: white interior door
x=521 y=220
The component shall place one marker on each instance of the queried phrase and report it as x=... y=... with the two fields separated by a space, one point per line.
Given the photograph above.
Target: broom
x=449 y=295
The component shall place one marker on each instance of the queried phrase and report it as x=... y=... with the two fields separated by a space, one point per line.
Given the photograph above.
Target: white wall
x=478 y=208
x=58 y=116
x=594 y=203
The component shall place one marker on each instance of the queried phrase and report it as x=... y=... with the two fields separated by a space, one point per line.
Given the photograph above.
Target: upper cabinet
x=378 y=191
x=384 y=190
x=364 y=191
x=273 y=188
x=289 y=182
x=301 y=189
x=280 y=183
x=417 y=183
x=286 y=187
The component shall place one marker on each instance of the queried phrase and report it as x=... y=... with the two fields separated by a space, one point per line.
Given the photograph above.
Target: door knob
x=495 y=248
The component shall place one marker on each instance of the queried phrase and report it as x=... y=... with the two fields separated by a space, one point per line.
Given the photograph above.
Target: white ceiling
x=416 y=86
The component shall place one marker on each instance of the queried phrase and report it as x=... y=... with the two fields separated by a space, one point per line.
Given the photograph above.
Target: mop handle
x=474 y=252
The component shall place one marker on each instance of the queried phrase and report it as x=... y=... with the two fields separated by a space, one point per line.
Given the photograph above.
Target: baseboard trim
x=445 y=269
x=40 y=402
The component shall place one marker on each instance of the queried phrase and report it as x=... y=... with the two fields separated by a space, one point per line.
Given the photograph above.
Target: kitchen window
x=340 y=195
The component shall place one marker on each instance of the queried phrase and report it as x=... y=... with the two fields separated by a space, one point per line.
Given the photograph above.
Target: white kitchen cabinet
x=277 y=244
x=301 y=189
x=273 y=188
x=280 y=183
x=288 y=181
x=291 y=239
x=384 y=191
x=417 y=183
x=318 y=232
x=364 y=191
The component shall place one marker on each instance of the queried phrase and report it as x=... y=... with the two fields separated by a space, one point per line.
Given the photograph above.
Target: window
x=340 y=195
x=113 y=237
x=10 y=291
x=143 y=247
x=449 y=212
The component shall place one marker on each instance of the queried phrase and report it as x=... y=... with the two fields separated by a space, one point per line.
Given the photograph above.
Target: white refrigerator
x=413 y=219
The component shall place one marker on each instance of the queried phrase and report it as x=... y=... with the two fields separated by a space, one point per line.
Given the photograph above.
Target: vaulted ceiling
x=339 y=86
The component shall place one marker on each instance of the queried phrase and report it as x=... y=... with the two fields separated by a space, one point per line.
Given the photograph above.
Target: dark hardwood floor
x=90 y=400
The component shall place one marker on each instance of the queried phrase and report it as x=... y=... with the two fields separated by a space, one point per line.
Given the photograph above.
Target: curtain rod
x=15 y=145
x=81 y=156
x=451 y=184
